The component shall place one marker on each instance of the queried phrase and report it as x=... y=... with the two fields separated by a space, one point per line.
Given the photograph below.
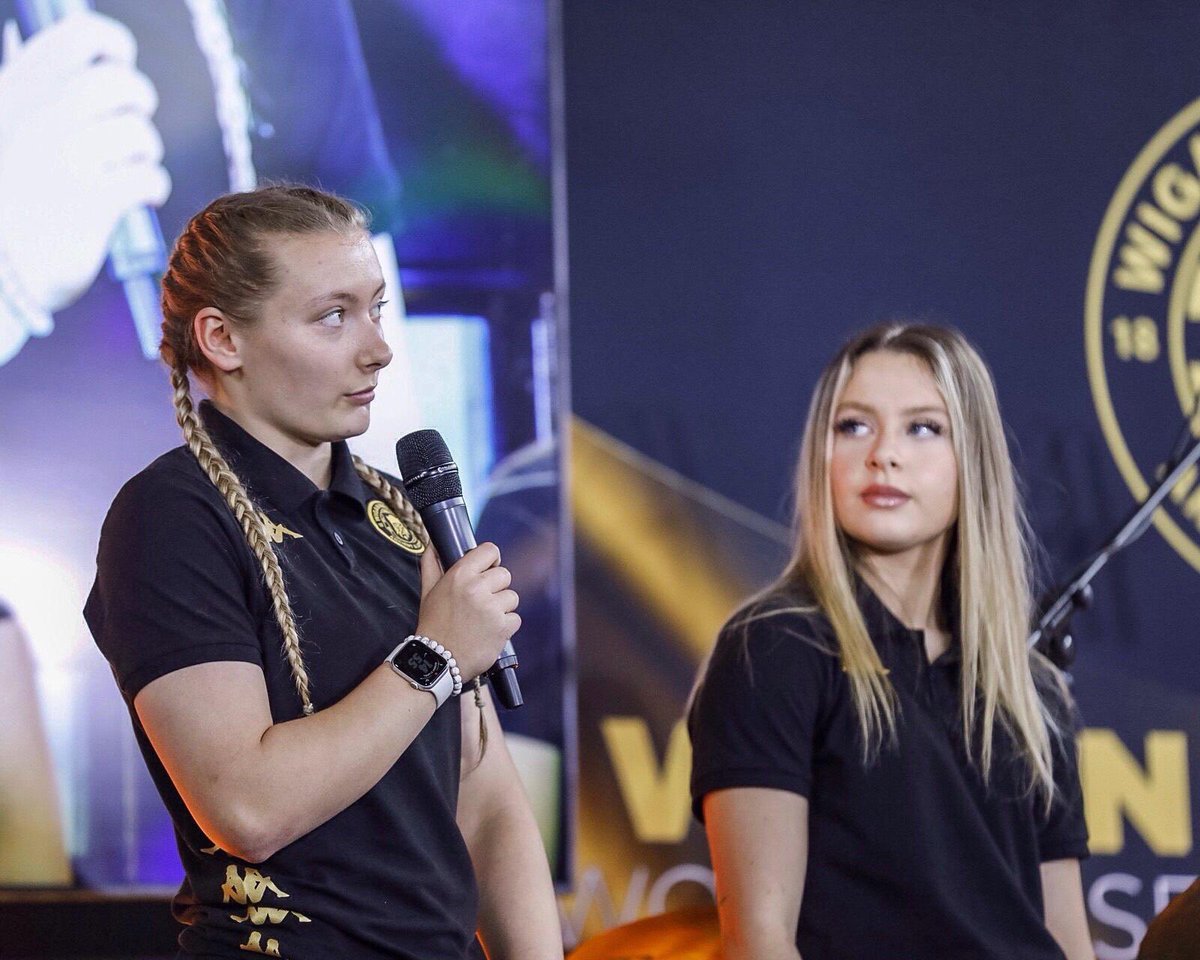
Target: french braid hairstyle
x=222 y=260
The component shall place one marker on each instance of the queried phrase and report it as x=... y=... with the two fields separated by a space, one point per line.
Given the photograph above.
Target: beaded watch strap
x=451 y=663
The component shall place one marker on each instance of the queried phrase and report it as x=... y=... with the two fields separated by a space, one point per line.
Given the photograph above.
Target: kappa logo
x=277 y=531
x=383 y=518
x=1142 y=320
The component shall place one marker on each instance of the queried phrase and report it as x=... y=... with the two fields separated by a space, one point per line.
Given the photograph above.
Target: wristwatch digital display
x=426 y=665
x=420 y=664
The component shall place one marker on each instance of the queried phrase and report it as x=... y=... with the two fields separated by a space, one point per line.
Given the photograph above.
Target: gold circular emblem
x=1142 y=319
x=384 y=519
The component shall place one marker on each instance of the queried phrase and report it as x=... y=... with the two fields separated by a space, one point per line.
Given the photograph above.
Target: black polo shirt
x=913 y=856
x=389 y=876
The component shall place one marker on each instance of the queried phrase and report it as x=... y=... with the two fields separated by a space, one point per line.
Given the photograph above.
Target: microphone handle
x=449 y=527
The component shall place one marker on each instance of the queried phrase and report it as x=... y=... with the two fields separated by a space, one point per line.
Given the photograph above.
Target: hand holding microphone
x=77 y=151
x=470 y=608
x=477 y=592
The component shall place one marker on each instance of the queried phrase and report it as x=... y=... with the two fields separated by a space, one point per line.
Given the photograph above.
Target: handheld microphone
x=433 y=486
x=137 y=255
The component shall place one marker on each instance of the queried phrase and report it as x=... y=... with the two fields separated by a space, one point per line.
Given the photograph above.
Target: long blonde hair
x=988 y=560
x=222 y=259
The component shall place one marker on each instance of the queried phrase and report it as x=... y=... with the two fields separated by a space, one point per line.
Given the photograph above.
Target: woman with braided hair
x=286 y=640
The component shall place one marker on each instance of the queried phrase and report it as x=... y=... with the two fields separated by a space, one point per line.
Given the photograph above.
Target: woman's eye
x=850 y=427
x=926 y=428
x=333 y=318
x=377 y=310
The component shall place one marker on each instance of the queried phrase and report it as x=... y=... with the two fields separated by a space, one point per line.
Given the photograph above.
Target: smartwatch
x=428 y=666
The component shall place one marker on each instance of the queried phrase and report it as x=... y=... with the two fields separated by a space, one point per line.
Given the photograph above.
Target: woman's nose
x=883 y=452
x=375 y=351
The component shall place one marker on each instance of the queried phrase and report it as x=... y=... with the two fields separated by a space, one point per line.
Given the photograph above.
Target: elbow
x=256 y=840
x=251 y=851
x=248 y=835
x=483 y=825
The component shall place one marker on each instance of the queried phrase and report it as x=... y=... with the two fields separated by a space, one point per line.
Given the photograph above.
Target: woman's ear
x=215 y=338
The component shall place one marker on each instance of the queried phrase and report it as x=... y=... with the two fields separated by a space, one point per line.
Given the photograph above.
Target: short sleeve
x=1063 y=835
x=174 y=586
x=758 y=709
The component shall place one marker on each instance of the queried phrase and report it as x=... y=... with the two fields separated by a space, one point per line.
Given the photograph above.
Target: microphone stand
x=1052 y=635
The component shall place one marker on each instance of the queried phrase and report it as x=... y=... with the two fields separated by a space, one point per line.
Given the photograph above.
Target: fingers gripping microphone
x=137 y=256
x=433 y=486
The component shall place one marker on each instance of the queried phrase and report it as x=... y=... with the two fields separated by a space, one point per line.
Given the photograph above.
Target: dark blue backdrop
x=750 y=182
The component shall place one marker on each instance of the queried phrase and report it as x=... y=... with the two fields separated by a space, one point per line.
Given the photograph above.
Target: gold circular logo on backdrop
x=383 y=518
x=1142 y=320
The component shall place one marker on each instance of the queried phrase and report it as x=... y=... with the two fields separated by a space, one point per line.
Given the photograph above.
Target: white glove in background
x=77 y=150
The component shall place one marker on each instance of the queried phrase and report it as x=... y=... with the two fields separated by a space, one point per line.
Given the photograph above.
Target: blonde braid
x=225 y=260
x=393 y=498
x=483 y=729
x=231 y=489
x=399 y=503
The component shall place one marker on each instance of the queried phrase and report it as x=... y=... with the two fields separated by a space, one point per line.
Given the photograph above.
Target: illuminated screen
x=432 y=115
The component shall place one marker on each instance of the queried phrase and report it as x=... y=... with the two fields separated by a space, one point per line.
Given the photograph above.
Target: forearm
x=270 y=788
x=30 y=831
x=323 y=763
x=758 y=839
x=518 y=915
x=1066 y=915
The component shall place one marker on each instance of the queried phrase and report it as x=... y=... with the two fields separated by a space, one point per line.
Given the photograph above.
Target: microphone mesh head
x=421 y=450
x=418 y=452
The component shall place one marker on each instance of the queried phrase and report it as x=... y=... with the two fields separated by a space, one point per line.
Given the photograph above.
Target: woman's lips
x=878 y=495
x=362 y=397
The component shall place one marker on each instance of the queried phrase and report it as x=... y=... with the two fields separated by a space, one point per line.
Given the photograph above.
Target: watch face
x=417 y=662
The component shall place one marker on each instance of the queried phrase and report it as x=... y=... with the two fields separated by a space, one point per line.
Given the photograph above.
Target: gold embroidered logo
x=384 y=519
x=260 y=915
x=248 y=891
x=277 y=531
x=255 y=945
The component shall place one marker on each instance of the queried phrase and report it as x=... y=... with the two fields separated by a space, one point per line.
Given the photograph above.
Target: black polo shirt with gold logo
x=390 y=875
x=913 y=856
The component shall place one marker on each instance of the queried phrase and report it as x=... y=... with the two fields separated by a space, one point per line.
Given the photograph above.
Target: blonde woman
x=292 y=656
x=882 y=769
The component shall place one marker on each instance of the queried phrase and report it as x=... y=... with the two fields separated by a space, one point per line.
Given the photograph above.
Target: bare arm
x=758 y=838
x=518 y=915
x=30 y=832
x=1066 y=917
x=255 y=786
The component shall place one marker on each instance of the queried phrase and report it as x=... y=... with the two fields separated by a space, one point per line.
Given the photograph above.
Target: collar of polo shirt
x=885 y=626
x=277 y=483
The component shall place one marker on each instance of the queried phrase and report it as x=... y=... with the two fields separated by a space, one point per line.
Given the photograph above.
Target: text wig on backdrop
x=1027 y=172
x=1032 y=175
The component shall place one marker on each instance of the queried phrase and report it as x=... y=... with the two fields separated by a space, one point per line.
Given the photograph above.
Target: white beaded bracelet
x=437 y=648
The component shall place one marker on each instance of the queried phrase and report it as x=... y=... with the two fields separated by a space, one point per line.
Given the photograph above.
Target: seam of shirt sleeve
x=1068 y=848
x=188 y=657
x=745 y=777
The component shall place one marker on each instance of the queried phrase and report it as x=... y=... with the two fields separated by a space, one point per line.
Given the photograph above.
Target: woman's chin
x=353 y=423
x=891 y=543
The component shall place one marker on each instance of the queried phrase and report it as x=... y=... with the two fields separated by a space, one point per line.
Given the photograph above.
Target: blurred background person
x=78 y=148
